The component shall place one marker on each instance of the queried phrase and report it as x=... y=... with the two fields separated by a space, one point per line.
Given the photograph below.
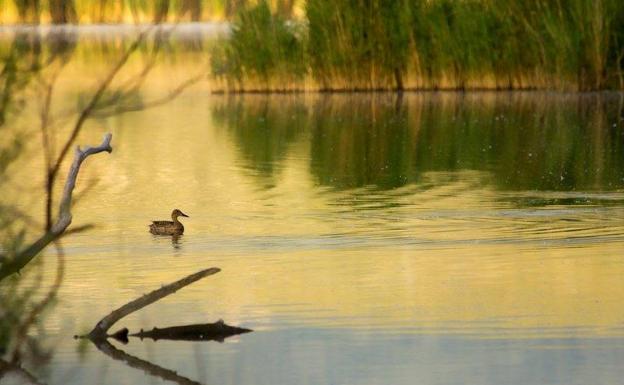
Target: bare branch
x=156 y=102
x=78 y=229
x=48 y=150
x=11 y=265
x=86 y=112
x=54 y=166
x=101 y=328
x=18 y=374
x=134 y=83
x=45 y=120
x=65 y=207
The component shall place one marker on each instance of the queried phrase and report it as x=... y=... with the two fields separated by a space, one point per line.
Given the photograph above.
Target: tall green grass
x=436 y=44
x=358 y=44
x=263 y=48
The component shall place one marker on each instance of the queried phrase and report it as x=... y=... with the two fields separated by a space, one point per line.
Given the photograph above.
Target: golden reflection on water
x=446 y=250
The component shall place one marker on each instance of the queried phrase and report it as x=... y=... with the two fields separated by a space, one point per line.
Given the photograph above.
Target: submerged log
x=217 y=331
x=101 y=328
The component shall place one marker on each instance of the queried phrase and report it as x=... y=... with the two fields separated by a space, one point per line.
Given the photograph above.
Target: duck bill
x=183 y=215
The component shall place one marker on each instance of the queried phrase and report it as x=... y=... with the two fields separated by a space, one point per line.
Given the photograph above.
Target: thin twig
x=48 y=150
x=86 y=112
x=19 y=374
x=156 y=102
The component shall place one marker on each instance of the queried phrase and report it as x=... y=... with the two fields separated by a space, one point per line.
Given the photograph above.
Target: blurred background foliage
x=129 y=11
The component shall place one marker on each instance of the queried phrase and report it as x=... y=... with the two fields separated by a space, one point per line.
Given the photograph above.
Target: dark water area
x=433 y=238
x=527 y=141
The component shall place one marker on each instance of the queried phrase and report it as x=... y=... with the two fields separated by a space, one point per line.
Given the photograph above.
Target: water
x=437 y=238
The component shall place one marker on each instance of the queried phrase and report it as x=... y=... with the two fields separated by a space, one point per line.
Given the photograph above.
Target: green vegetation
x=358 y=45
x=263 y=47
x=437 y=44
x=390 y=44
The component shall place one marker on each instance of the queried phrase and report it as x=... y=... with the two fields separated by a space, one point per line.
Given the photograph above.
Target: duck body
x=174 y=227
x=166 y=228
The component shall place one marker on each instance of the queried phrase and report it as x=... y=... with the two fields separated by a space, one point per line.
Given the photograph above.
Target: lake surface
x=433 y=238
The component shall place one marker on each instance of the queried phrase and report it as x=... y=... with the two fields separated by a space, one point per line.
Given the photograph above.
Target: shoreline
x=413 y=91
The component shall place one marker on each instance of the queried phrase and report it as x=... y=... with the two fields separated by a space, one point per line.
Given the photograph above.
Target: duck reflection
x=176 y=241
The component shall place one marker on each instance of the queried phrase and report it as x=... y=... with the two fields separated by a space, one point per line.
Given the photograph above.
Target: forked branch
x=12 y=264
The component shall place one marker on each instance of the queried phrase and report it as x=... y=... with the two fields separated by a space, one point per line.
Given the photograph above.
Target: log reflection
x=137 y=363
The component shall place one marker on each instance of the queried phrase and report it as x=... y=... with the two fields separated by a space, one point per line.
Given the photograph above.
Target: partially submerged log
x=100 y=330
x=217 y=331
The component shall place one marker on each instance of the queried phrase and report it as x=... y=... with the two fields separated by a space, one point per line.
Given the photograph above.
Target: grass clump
x=263 y=49
x=358 y=44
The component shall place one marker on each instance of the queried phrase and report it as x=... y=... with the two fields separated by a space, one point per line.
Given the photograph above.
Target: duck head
x=177 y=213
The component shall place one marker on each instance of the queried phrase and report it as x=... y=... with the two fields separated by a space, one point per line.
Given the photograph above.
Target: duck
x=169 y=227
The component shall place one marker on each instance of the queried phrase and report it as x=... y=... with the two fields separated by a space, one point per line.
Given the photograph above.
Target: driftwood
x=202 y=332
x=217 y=331
x=12 y=264
x=100 y=330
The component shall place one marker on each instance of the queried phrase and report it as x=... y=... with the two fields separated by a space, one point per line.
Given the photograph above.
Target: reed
x=438 y=44
x=262 y=49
